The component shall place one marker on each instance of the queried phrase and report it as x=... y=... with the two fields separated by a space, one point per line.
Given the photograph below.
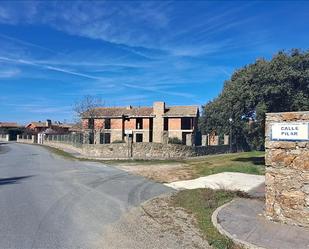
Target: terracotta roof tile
x=173 y=111
x=38 y=124
x=8 y=125
x=181 y=111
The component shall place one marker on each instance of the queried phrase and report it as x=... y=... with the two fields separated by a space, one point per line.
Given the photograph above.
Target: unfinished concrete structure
x=141 y=124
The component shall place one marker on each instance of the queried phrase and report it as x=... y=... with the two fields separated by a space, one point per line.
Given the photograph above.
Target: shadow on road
x=3 y=148
x=13 y=180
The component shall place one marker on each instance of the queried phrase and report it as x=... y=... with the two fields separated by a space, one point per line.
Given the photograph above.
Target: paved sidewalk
x=242 y=220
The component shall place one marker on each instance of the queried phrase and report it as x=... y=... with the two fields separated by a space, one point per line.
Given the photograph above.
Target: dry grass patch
x=177 y=170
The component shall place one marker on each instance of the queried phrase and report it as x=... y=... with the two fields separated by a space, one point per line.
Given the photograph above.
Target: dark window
x=91 y=138
x=186 y=123
x=105 y=138
x=139 y=123
x=150 y=129
x=139 y=138
x=166 y=124
x=184 y=137
x=107 y=123
x=90 y=123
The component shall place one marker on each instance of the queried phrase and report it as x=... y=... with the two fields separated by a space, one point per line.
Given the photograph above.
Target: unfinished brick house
x=141 y=124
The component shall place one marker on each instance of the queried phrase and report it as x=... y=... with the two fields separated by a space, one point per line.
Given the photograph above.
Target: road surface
x=51 y=202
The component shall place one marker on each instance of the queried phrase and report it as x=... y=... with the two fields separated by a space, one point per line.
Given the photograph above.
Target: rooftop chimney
x=158 y=108
x=48 y=123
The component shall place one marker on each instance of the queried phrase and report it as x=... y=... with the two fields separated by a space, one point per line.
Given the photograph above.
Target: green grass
x=202 y=203
x=245 y=162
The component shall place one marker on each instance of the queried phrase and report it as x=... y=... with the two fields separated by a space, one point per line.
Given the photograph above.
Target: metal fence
x=76 y=139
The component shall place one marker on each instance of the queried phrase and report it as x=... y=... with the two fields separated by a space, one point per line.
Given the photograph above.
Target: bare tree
x=87 y=108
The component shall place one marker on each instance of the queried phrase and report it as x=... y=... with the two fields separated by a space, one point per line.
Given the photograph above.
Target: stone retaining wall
x=287 y=174
x=138 y=150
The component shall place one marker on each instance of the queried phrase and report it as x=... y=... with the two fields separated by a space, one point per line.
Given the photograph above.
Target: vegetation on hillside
x=281 y=84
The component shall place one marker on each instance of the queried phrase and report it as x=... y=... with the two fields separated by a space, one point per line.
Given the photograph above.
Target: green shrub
x=174 y=140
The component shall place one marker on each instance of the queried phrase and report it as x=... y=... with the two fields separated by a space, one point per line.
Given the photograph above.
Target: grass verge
x=245 y=162
x=61 y=153
x=202 y=203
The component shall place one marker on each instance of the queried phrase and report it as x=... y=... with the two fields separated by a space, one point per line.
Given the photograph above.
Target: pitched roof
x=173 y=111
x=181 y=111
x=44 y=125
x=37 y=124
x=8 y=125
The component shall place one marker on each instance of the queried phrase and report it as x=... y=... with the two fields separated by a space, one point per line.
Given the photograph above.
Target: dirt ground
x=164 y=173
x=156 y=224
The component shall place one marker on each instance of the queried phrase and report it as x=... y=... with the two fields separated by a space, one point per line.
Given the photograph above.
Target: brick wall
x=116 y=123
x=287 y=174
x=146 y=123
x=130 y=124
x=99 y=124
x=174 y=123
x=85 y=123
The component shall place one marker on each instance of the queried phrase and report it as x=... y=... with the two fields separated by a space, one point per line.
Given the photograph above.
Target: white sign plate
x=128 y=132
x=290 y=131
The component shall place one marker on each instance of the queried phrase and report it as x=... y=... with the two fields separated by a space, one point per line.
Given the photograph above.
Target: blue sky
x=54 y=53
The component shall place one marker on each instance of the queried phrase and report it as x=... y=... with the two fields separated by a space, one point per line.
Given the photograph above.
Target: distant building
x=8 y=125
x=48 y=126
x=142 y=124
x=11 y=129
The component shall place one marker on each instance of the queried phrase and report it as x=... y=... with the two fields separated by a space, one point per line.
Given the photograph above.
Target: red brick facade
x=143 y=124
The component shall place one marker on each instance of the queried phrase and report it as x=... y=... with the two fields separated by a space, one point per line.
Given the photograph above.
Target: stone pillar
x=34 y=139
x=287 y=167
x=213 y=140
x=226 y=140
x=165 y=137
x=158 y=121
x=204 y=140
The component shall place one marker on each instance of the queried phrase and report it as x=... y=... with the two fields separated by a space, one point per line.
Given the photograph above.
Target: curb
x=242 y=243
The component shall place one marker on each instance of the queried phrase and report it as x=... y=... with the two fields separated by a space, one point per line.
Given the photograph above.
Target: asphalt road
x=47 y=201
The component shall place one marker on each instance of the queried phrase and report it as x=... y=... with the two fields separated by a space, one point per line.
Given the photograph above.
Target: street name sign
x=290 y=131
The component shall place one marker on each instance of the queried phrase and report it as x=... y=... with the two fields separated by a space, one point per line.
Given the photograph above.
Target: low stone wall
x=27 y=139
x=287 y=173
x=160 y=151
x=107 y=151
x=138 y=150
x=4 y=137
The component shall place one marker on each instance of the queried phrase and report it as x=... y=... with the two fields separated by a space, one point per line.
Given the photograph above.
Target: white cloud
x=9 y=73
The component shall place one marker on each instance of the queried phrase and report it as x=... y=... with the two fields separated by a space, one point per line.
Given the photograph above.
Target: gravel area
x=155 y=224
x=164 y=172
